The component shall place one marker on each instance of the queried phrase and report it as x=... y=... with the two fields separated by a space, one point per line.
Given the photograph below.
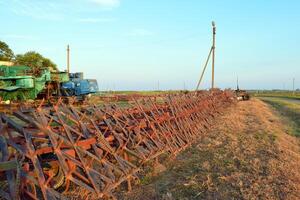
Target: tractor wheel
x=51 y=168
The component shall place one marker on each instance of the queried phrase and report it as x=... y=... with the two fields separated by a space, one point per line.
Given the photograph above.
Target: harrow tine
x=98 y=148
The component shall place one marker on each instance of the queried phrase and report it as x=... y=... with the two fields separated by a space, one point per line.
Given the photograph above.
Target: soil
x=247 y=154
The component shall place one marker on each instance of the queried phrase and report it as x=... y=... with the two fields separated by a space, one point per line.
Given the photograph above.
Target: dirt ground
x=248 y=154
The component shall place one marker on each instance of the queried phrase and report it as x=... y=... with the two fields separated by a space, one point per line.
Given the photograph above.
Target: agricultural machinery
x=21 y=83
x=68 y=152
x=242 y=95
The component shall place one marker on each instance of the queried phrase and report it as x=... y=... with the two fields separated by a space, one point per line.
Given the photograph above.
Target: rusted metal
x=98 y=148
x=124 y=97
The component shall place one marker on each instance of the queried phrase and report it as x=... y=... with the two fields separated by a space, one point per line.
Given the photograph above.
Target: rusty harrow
x=46 y=153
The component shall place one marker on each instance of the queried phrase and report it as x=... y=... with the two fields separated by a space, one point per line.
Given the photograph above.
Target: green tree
x=6 y=54
x=34 y=60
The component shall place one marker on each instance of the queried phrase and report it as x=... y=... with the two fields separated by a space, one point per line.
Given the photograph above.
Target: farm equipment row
x=48 y=153
x=22 y=83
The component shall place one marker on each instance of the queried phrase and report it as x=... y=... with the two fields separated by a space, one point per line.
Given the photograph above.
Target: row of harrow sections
x=48 y=153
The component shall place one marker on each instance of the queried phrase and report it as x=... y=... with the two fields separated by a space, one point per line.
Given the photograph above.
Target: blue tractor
x=79 y=87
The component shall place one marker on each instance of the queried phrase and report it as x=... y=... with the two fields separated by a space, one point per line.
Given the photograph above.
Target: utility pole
x=213 y=55
x=68 y=59
x=293 y=86
x=211 y=52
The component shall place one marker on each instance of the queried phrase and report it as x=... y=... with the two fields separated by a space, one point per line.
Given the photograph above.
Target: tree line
x=31 y=58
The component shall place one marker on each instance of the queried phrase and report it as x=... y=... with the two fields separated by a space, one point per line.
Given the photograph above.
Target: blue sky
x=134 y=44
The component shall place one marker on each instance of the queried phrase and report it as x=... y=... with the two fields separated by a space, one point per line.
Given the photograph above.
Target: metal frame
x=98 y=148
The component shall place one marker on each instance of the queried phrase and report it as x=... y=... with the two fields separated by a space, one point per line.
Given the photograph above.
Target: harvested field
x=249 y=154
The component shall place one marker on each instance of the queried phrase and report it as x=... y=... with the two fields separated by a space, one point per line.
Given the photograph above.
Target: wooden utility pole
x=213 y=55
x=68 y=59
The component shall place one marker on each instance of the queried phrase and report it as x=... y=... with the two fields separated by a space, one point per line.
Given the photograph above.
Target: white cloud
x=58 y=10
x=96 y=20
x=107 y=3
x=140 y=32
x=37 y=10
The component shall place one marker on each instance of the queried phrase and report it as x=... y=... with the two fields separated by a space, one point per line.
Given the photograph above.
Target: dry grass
x=289 y=110
x=246 y=155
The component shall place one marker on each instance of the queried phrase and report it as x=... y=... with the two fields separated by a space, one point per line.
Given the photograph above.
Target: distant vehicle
x=242 y=95
x=20 y=83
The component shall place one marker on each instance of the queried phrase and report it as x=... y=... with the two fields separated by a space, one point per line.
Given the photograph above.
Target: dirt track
x=248 y=154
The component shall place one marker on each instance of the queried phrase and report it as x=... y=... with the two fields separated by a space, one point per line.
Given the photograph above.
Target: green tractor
x=20 y=83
